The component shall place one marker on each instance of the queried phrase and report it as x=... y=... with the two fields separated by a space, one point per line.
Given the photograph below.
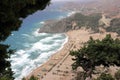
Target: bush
x=33 y=78
x=23 y=79
x=104 y=76
x=117 y=75
x=80 y=76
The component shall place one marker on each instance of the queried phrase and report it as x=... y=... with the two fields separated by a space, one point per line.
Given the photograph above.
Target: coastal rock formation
x=73 y=22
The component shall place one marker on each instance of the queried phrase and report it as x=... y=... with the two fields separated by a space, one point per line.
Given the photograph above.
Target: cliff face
x=75 y=21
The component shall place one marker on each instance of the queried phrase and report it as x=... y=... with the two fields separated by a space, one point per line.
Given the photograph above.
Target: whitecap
x=35 y=33
x=46 y=39
x=71 y=13
x=12 y=34
x=40 y=46
x=20 y=52
x=22 y=58
x=25 y=35
x=61 y=17
x=42 y=22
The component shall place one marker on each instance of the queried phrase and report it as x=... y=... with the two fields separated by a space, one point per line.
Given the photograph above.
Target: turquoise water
x=33 y=48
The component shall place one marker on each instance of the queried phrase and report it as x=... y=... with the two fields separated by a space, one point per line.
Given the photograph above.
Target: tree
x=5 y=70
x=10 y=13
x=96 y=52
x=12 y=10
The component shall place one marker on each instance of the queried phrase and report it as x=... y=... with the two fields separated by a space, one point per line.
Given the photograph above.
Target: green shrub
x=33 y=78
x=117 y=75
x=104 y=76
x=23 y=79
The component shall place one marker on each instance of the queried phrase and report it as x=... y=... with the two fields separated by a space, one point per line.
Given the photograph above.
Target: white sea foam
x=26 y=35
x=66 y=40
x=27 y=59
x=42 y=22
x=61 y=17
x=40 y=46
x=36 y=33
x=46 y=39
x=20 y=52
x=12 y=34
x=39 y=24
x=71 y=13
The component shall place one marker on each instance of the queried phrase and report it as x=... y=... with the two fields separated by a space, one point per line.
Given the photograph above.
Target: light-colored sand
x=58 y=67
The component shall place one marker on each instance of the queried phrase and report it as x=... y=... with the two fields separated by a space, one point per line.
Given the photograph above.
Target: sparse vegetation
x=105 y=76
x=117 y=75
x=89 y=21
x=66 y=24
x=114 y=26
x=95 y=53
x=33 y=78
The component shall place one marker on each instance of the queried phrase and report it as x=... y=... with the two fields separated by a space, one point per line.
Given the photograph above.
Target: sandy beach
x=58 y=67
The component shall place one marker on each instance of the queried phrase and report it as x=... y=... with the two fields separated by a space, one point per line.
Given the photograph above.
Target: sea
x=32 y=49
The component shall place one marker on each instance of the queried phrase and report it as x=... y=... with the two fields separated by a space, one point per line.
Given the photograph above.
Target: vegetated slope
x=79 y=20
x=75 y=21
x=114 y=26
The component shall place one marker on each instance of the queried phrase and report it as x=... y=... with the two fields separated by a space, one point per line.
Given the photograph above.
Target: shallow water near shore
x=36 y=53
x=33 y=48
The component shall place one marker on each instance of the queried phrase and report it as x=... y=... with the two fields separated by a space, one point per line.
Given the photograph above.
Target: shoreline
x=51 y=57
x=61 y=60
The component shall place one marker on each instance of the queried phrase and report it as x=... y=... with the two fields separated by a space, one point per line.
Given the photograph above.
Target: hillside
x=73 y=22
x=76 y=21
